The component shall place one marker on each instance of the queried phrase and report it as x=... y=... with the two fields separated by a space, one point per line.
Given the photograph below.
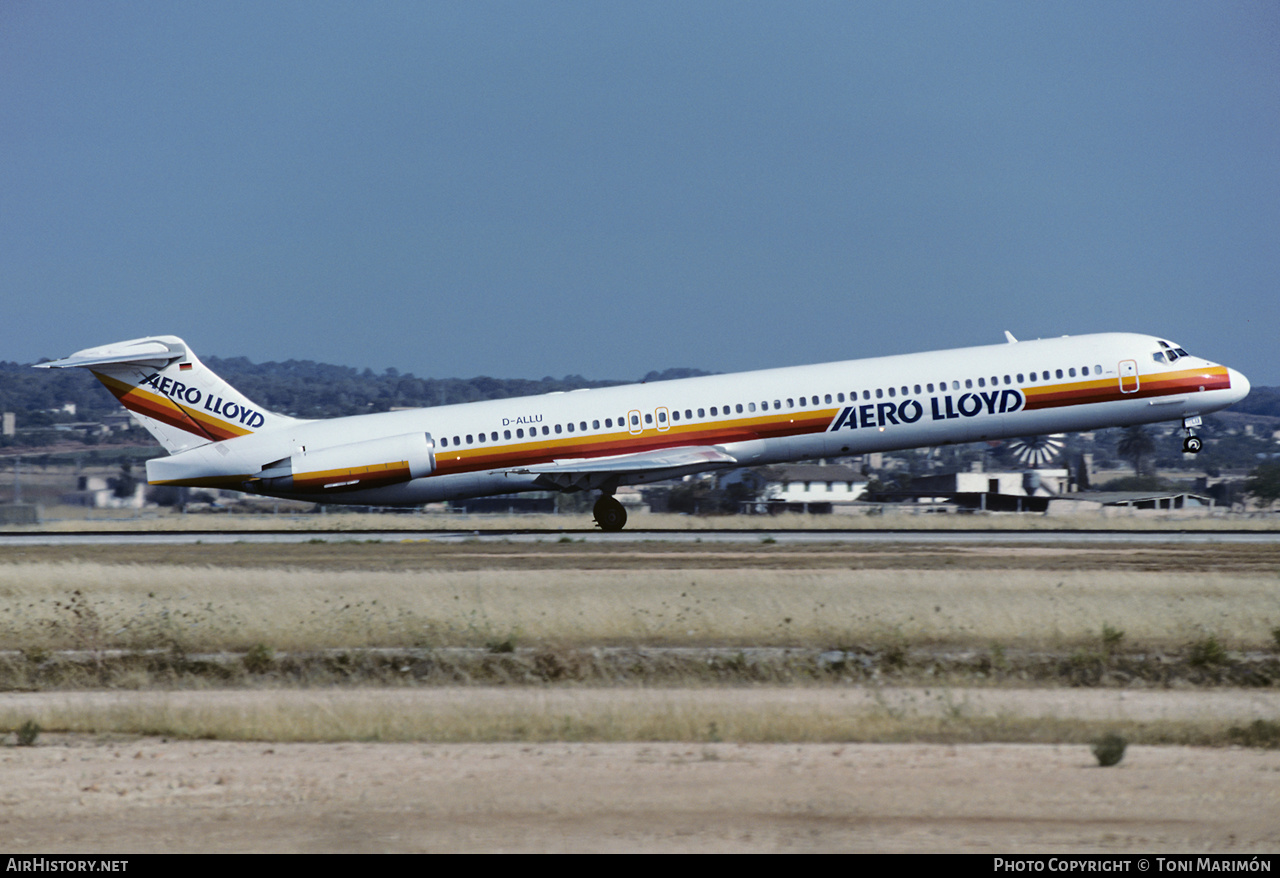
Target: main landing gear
x=609 y=513
x=1192 y=443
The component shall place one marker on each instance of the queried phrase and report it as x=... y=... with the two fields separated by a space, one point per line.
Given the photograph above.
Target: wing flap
x=583 y=473
x=643 y=461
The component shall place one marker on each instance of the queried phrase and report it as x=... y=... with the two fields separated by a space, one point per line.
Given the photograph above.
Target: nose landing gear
x=609 y=513
x=1192 y=443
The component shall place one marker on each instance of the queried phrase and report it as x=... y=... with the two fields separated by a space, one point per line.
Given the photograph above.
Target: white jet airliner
x=601 y=438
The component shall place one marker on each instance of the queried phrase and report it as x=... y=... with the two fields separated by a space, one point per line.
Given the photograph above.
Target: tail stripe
x=166 y=411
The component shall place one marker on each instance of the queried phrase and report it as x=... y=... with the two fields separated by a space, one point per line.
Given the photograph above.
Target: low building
x=1128 y=502
x=1028 y=491
x=99 y=492
x=810 y=487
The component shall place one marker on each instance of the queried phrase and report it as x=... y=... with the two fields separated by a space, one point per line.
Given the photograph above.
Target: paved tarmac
x=937 y=537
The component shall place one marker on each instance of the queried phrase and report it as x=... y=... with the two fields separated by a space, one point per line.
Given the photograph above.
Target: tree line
x=302 y=388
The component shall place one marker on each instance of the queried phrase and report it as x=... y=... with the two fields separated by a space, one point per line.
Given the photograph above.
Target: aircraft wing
x=593 y=472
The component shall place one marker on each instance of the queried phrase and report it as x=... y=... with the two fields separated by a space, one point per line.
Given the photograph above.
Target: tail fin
x=170 y=392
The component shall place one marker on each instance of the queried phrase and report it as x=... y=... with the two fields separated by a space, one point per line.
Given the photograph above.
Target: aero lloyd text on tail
x=171 y=392
x=599 y=439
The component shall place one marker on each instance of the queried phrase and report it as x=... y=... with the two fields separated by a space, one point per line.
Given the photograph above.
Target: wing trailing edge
x=586 y=473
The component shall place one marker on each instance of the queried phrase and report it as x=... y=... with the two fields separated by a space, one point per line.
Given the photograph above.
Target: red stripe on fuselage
x=1150 y=386
x=530 y=453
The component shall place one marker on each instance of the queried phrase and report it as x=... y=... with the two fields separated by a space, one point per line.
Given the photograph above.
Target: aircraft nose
x=1239 y=384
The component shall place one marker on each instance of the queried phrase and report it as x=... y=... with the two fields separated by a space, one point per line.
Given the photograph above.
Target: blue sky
x=523 y=189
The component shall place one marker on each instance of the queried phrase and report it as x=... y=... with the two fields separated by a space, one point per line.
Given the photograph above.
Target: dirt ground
x=102 y=794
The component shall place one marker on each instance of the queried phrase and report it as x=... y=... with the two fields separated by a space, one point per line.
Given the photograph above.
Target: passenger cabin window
x=506 y=434
x=702 y=413
x=1059 y=373
x=751 y=406
x=968 y=383
x=546 y=431
x=595 y=425
x=982 y=383
x=557 y=428
x=635 y=420
x=648 y=418
x=469 y=439
x=713 y=411
x=827 y=398
x=738 y=408
x=444 y=441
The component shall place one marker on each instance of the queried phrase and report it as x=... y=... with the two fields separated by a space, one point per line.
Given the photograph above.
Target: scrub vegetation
x=633 y=618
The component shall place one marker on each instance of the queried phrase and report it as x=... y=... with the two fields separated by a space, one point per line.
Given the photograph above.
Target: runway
x=844 y=537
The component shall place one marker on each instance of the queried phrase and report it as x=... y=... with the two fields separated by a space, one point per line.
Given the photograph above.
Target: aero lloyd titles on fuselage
x=940 y=408
x=191 y=395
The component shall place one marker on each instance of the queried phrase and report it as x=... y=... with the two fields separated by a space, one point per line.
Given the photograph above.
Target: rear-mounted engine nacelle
x=352 y=466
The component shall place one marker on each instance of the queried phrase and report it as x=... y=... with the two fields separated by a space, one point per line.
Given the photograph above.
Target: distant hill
x=1260 y=401
x=321 y=390
x=297 y=387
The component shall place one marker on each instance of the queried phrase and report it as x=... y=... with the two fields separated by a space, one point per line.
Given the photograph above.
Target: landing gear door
x=1128 y=376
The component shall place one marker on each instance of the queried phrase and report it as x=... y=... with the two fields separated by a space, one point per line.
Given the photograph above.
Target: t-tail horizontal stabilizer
x=170 y=392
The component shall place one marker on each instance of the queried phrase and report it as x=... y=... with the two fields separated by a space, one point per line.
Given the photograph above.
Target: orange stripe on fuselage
x=354 y=477
x=609 y=444
x=1149 y=386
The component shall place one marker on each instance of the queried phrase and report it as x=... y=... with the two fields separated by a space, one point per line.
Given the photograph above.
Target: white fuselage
x=769 y=416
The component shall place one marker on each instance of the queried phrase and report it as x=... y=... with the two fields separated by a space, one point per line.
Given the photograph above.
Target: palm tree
x=1134 y=445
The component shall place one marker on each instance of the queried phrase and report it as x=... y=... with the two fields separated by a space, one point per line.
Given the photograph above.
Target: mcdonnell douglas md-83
x=598 y=439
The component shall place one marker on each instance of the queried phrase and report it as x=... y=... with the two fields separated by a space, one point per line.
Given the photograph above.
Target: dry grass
x=753 y=715
x=565 y=553
x=83 y=605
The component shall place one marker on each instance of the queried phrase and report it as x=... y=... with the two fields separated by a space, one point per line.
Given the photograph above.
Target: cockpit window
x=1171 y=352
